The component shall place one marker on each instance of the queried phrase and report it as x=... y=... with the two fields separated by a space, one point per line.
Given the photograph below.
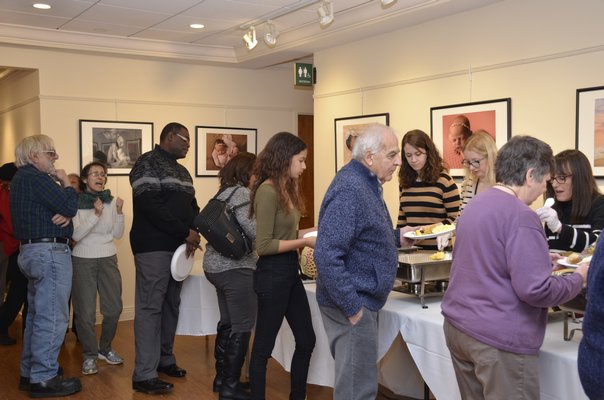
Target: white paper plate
x=412 y=235
x=310 y=234
x=564 y=262
x=181 y=266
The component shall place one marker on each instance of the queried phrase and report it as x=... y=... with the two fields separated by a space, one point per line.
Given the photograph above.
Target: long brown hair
x=585 y=189
x=274 y=163
x=237 y=171
x=434 y=162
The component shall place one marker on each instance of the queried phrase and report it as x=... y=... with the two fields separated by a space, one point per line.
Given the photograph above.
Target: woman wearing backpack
x=277 y=206
x=233 y=282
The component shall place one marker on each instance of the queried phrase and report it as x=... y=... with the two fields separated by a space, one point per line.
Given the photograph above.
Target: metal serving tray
x=418 y=273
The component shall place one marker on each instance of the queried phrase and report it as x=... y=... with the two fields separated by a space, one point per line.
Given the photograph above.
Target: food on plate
x=574 y=258
x=439 y=255
x=441 y=228
x=427 y=229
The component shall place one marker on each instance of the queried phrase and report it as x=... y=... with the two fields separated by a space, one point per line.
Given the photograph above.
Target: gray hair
x=31 y=145
x=369 y=140
x=520 y=154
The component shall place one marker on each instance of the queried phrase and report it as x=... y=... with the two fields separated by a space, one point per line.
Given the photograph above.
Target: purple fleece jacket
x=501 y=279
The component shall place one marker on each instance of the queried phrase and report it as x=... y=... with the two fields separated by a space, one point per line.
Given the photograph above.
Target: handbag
x=218 y=224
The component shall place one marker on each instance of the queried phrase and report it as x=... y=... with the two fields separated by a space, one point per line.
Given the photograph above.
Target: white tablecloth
x=421 y=352
x=198 y=307
x=422 y=332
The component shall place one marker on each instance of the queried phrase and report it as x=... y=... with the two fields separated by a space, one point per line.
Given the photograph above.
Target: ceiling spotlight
x=197 y=26
x=326 y=13
x=270 y=37
x=250 y=38
x=42 y=6
x=386 y=3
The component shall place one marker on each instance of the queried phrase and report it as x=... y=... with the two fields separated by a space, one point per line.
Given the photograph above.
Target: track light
x=270 y=37
x=250 y=38
x=326 y=13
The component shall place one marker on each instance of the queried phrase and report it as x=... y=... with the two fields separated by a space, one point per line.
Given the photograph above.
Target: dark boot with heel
x=233 y=361
x=223 y=332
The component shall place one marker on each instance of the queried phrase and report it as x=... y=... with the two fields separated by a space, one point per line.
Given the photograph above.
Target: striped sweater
x=424 y=204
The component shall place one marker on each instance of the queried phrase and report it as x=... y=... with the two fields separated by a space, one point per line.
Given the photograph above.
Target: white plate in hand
x=310 y=234
x=181 y=265
x=564 y=262
x=412 y=235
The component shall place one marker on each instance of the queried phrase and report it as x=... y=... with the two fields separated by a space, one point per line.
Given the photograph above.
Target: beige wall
x=74 y=86
x=536 y=52
x=19 y=110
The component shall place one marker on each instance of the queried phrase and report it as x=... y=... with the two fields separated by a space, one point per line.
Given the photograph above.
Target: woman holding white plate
x=428 y=194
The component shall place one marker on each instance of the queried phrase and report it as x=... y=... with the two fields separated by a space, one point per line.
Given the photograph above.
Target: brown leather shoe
x=172 y=370
x=152 y=386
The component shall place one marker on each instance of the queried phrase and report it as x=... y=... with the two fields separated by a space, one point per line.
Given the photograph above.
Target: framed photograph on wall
x=590 y=127
x=215 y=146
x=451 y=126
x=116 y=143
x=347 y=129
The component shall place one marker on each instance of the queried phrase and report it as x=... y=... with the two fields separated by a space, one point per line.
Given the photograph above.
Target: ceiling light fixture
x=386 y=3
x=325 y=13
x=42 y=6
x=197 y=26
x=250 y=38
x=270 y=37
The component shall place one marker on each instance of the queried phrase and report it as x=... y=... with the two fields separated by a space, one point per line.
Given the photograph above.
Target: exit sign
x=303 y=74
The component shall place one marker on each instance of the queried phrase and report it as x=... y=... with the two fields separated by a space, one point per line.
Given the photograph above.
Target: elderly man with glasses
x=41 y=213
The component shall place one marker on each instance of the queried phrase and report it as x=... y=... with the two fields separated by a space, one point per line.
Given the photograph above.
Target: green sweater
x=272 y=222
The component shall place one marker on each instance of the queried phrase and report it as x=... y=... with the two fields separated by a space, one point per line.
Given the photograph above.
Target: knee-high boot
x=233 y=361
x=222 y=340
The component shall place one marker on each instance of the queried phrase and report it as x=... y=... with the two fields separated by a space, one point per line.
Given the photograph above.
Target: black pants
x=281 y=294
x=16 y=296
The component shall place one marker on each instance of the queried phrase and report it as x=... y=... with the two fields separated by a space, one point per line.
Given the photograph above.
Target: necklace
x=507 y=187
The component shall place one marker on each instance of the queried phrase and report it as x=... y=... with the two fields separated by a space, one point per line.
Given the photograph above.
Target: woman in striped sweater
x=428 y=194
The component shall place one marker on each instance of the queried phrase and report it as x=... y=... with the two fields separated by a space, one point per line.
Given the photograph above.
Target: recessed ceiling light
x=42 y=6
x=197 y=26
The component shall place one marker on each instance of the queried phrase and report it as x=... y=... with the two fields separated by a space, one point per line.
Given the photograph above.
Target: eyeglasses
x=52 y=153
x=472 y=163
x=97 y=174
x=184 y=138
x=561 y=178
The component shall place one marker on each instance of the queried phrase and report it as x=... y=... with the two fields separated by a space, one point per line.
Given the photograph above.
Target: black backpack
x=218 y=224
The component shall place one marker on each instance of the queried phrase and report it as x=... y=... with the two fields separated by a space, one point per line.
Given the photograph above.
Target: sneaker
x=89 y=367
x=111 y=357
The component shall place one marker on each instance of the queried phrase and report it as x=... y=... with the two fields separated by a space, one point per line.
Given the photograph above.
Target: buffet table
x=423 y=348
x=411 y=345
x=199 y=313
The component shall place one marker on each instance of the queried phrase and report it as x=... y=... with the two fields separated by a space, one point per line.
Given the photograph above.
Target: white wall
x=75 y=86
x=536 y=52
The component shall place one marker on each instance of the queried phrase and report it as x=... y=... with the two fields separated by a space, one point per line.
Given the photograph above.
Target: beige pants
x=484 y=372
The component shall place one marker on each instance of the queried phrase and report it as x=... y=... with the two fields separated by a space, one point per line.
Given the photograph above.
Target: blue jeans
x=47 y=266
x=281 y=295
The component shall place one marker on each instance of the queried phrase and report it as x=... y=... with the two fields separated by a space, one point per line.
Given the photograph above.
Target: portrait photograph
x=590 y=127
x=346 y=131
x=217 y=145
x=116 y=144
x=452 y=126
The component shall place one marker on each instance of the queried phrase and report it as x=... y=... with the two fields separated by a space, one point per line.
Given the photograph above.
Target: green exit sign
x=303 y=74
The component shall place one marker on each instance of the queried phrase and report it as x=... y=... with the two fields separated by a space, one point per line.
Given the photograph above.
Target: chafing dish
x=572 y=307
x=421 y=276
